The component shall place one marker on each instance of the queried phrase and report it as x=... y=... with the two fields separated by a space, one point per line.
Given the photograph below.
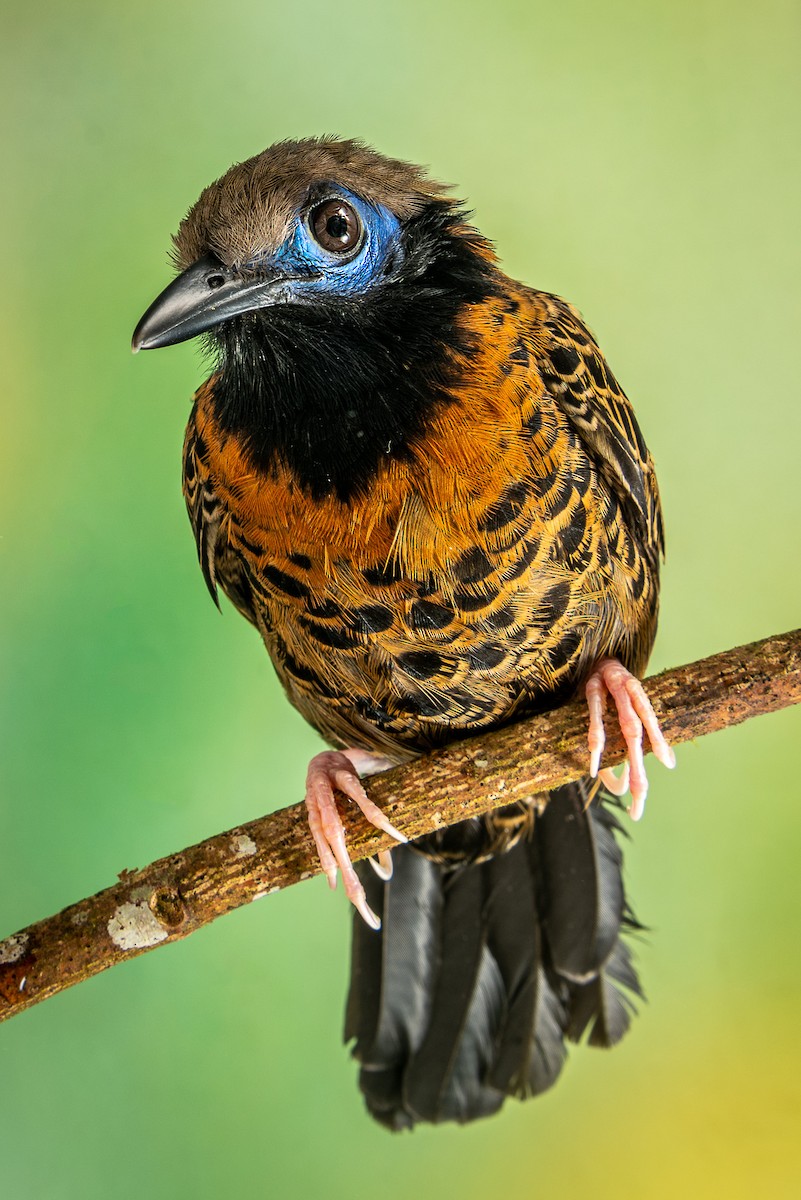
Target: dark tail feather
x=578 y=863
x=481 y=971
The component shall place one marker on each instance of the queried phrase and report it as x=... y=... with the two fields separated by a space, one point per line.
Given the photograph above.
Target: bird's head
x=313 y=223
x=330 y=282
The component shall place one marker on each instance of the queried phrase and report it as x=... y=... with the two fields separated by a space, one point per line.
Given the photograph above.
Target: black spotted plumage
x=432 y=498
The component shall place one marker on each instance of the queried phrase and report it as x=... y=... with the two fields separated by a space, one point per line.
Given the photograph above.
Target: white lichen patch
x=243 y=845
x=268 y=892
x=14 y=947
x=79 y=918
x=133 y=927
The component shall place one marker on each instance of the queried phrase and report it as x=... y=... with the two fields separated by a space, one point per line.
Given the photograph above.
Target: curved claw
x=618 y=785
x=382 y=865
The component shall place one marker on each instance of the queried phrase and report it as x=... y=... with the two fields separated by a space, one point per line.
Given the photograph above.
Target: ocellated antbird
x=423 y=485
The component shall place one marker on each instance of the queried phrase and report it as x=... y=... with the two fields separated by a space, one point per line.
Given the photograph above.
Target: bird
x=420 y=481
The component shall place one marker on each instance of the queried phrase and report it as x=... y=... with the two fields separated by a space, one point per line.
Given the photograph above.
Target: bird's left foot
x=634 y=710
x=340 y=769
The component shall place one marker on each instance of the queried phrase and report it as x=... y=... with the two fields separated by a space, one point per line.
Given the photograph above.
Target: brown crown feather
x=248 y=211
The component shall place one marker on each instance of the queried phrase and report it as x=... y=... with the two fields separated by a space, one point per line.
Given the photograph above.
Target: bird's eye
x=336 y=226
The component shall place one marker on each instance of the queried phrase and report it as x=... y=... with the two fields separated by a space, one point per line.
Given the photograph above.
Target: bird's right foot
x=339 y=769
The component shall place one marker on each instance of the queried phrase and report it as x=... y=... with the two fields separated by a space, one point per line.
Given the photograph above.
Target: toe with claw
x=339 y=770
x=634 y=712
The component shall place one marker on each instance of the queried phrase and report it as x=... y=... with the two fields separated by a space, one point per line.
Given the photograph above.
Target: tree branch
x=177 y=895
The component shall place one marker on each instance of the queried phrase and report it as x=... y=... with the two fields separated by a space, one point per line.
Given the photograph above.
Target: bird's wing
x=576 y=374
x=219 y=561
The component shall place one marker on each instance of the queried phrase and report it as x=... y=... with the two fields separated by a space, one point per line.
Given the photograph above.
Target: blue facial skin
x=311 y=270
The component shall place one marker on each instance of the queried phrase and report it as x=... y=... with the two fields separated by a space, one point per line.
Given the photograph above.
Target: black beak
x=204 y=295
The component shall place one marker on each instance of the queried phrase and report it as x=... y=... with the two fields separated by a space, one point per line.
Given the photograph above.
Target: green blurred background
x=644 y=161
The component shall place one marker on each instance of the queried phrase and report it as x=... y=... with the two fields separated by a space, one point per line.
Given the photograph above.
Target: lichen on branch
x=176 y=895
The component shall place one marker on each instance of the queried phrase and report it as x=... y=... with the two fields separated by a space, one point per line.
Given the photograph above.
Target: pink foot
x=610 y=678
x=340 y=769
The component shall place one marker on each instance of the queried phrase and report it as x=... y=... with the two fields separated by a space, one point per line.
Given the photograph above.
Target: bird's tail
x=481 y=971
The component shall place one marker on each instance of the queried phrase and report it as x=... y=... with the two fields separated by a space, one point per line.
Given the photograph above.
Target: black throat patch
x=333 y=387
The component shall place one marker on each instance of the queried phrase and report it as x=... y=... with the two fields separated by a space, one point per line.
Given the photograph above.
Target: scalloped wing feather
x=577 y=375
x=220 y=563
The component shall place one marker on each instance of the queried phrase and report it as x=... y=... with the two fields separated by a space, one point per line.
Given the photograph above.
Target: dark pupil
x=337 y=226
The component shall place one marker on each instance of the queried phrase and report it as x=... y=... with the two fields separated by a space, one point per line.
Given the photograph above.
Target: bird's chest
x=387 y=646
x=436 y=600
